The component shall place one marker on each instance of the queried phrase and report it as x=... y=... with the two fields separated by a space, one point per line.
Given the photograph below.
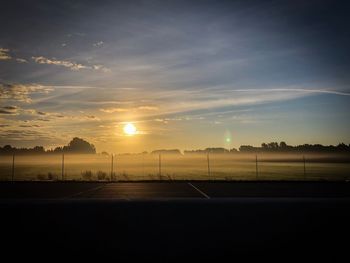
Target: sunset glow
x=130 y=129
x=188 y=75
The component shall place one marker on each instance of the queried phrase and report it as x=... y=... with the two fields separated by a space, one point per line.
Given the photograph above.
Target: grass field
x=187 y=167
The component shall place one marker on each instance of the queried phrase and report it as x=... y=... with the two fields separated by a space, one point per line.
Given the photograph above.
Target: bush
x=101 y=175
x=87 y=175
x=41 y=177
x=125 y=175
x=51 y=176
x=113 y=176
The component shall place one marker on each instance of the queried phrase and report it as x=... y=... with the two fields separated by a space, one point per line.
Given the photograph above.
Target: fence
x=172 y=167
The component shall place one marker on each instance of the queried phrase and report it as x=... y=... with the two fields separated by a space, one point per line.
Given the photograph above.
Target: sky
x=187 y=74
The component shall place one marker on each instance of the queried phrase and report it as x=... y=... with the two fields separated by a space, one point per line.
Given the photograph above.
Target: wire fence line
x=209 y=166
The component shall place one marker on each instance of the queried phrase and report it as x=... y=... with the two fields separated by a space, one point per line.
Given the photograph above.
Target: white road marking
x=84 y=192
x=201 y=192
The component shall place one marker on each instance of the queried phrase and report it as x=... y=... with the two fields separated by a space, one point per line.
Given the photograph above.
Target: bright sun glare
x=130 y=129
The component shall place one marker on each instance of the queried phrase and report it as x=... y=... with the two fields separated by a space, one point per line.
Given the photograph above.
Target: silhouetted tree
x=249 y=148
x=78 y=145
x=217 y=150
x=39 y=149
x=264 y=145
x=283 y=145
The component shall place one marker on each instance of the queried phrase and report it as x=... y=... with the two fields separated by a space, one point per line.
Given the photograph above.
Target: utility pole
x=62 y=166
x=208 y=164
x=256 y=167
x=304 y=167
x=112 y=169
x=13 y=167
x=160 y=167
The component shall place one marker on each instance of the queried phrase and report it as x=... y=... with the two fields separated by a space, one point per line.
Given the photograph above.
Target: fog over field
x=129 y=167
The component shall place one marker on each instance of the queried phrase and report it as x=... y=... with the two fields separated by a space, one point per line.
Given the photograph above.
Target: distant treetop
x=172 y=151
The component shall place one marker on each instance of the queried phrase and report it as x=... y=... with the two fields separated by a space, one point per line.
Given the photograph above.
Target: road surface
x=171 y=190
x=176 y=221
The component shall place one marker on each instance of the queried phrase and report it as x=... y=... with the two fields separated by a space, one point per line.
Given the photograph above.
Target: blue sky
x=188 y=74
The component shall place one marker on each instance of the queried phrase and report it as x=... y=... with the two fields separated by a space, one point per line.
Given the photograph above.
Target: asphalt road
x=164 y=222
x=171 y=190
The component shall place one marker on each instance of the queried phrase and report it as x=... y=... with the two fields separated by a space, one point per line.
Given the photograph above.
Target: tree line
x=78 y=145
x=284 y=147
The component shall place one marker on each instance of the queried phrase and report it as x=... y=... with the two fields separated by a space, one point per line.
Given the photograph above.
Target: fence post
x=304 y=167
x=62 y=166
x=112 y=169
x=160 y=167
x=208 y=164
x=13 y=167
x=143 y=165
x=256 y=167
x=115 y=167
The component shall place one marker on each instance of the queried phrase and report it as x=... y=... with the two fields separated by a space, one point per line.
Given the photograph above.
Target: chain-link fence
x=136 y=167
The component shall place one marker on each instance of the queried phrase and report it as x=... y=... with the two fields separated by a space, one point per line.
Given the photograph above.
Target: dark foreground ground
x=176 y=221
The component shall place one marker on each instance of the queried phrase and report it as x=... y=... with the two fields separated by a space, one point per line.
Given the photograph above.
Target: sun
x=130 y=129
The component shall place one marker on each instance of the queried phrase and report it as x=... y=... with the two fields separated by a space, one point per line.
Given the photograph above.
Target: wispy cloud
x=4 y=54
x=21 y=60
x=148 y=108
x=68 y=64
x=327 y=91
x=101 y=67
x=41 y=113
x=174 y=102
x=84 y=110
x=20 y=92
x=98 y=44
x=63 y=63
x=92 y=117
x=9 y=110
x=26 y=134
x=112 y=110
x=138 y=108
x=212 y=98
x=2 y=111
